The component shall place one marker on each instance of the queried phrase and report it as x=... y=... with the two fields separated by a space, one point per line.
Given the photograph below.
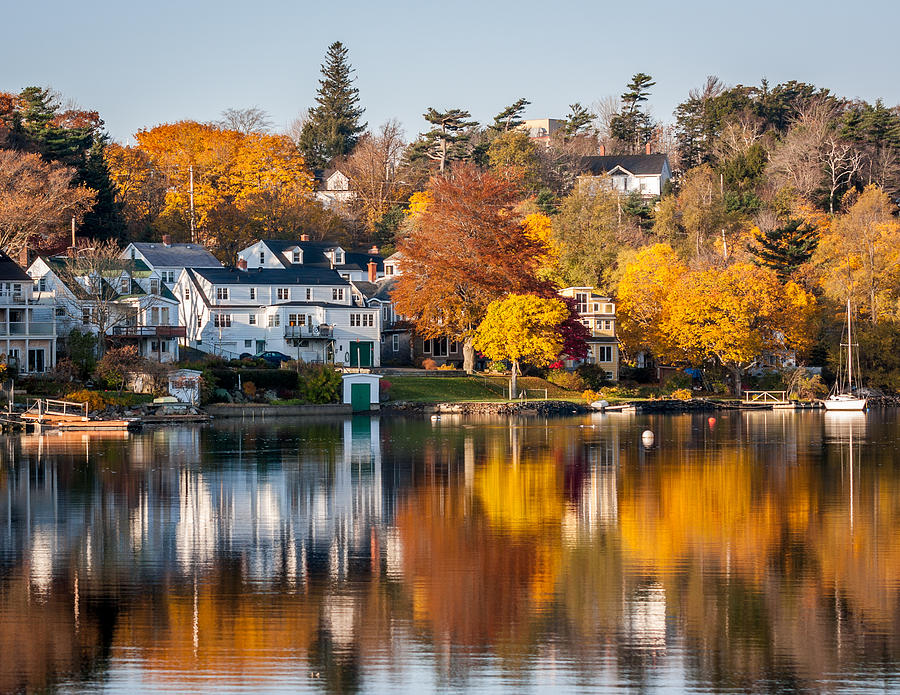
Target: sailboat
x=842 y=395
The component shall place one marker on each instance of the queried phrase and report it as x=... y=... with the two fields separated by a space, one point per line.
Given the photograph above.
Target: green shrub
x=320 y=384
x=593 y=376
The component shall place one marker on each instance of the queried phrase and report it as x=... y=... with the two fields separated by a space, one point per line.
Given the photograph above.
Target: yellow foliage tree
x=539 y=228
x=522 y=327
x=642 y=298
x=860 y=255
x=734 y=315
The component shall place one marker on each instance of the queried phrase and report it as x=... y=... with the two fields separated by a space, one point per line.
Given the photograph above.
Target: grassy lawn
x=427 y=389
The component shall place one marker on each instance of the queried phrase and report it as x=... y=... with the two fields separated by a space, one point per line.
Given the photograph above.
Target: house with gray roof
x=27 y=323
x=169 y=259
x=349 y=264
x=304 y=310
x=126 y=301
x=645 y=174
x=397 y=337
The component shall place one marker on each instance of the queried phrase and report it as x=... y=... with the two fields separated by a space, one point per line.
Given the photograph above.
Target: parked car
x=273 y=357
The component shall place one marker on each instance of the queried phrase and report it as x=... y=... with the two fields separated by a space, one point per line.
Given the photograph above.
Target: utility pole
x=724 y=245
x=191 y=170
x=73 y=232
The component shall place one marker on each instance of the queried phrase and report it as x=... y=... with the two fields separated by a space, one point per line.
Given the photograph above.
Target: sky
x=141 y=64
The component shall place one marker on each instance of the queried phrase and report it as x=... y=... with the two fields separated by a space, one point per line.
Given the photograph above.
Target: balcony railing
x=150 y=331
x=319 y=331
x=35 y=328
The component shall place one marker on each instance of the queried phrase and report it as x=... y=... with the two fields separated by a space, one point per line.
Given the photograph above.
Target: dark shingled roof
x=380 y=290
x=637 y=164
x=295 y=275
x=177 y=255
x=10 y=271
x=314 y=255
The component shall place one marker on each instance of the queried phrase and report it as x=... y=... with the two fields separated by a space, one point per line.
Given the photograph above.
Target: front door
x=359 y=398
x=36 y=360
x=361 y=353
x=260 y=346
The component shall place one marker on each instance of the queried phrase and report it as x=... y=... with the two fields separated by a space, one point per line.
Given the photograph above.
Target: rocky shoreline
x=541 y=408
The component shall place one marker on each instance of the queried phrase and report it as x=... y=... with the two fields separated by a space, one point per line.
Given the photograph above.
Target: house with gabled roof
x=303 y=310
x=645 y=174
x=27 y=321
x=129 y=302
x=279 y=253
x=332 y=187
x=169 y=259
x=396 y=332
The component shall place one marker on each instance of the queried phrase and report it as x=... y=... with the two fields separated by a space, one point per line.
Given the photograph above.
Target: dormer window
x=154 y=286
x=338 y=257
x=295 y=258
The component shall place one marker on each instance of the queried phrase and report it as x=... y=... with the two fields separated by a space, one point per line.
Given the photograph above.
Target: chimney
x=373 y=271
x=647 y=148
x=167 y=240
x=242 y=264
x=374 y=249
x=602 y=150
x=23 y=257
x=304 y=237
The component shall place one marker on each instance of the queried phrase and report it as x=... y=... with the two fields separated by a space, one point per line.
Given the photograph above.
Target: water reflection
x=751 y=551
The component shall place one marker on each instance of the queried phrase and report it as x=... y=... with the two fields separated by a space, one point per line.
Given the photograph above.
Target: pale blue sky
x=141 y=64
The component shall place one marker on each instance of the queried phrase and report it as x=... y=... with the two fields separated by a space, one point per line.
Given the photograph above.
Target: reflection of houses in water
x=644 y=620
x=162 y=511
x=597 y=506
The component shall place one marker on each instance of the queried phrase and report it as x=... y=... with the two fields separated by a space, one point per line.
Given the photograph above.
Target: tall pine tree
x=448 y=139
x=632 y=125
x=784 y=249
x=333 y=127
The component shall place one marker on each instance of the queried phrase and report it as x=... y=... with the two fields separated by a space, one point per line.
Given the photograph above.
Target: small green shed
x=362 y=391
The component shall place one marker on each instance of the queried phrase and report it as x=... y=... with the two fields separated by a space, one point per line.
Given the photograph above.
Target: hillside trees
x=632 y=125
x=374 y=171
x=333 y=126
x=448 y=139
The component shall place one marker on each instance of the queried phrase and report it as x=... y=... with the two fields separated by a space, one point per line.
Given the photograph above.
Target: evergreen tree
x=333 y=127
x=578 y=120
x=447 y=140
x=632 y=125
x=784 y=249
x=510 y=117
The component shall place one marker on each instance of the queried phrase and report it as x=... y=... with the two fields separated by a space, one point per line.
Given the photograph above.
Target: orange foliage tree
x=466 y=247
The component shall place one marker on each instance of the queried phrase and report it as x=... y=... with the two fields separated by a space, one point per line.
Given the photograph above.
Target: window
x=262 y=257
x=187 y=292
x=221 y=293
x=154 y=285
x=199 y=321
x=426 y=346
x=284 y=293
x=296 y=258
x=159 y=346
x=339 y=258
x=164 y=316
x=125 y=284
x=248 y=343
x=42 y=285
x=337 y=293
x=387 y=312
x=60 y=311
x=388 y=270
x=596 y=307
x=308 y=294
x=604 y=353
x=454 y=348
x=252 y=293
x=274 y=320
x=607 y=308
x=581 y=300
x=296 y=319
x=17 y=292
x=252 y=319
x=168 y=276
x=362 y=320
x=346 y=276
x=607 y=324
x=222 y=320
x=395 y=343
x=436 y=347
x=154 y=316
x=85 y=316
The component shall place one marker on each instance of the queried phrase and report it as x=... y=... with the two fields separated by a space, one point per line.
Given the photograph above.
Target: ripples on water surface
x=759 y=552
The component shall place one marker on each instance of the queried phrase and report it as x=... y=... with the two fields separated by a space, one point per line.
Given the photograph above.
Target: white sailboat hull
x=844 y=402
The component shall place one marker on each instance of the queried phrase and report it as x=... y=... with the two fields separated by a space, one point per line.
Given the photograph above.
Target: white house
x=303 y=311
x=303 y=253
x=131 y=305
x=27 y=324
x=168 y=259
x=645 y=174
x=333 y=187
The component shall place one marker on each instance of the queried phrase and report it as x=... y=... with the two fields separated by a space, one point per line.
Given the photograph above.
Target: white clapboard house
x=304 y=311
x=168 y=259
x=350 y=265
x=129 y=302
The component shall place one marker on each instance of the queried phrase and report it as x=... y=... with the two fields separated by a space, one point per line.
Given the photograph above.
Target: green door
x=359 y=398
x=361 y=353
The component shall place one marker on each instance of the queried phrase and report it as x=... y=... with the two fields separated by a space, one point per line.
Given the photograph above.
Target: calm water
x=759 y=552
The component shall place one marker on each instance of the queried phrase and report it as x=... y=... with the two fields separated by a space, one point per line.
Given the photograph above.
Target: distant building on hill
x=645 y=174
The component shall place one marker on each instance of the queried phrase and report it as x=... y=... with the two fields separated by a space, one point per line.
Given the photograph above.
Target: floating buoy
x=711 y=422
x=647 y=438
x=435 y=418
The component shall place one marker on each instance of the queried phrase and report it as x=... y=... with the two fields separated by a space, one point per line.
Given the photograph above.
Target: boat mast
x=849 y=351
